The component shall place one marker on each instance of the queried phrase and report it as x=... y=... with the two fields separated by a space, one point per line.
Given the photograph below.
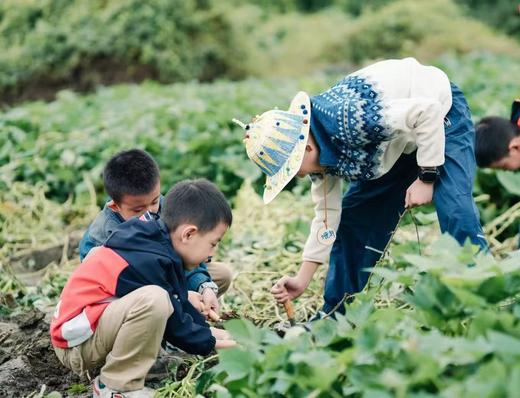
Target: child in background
x=497 y=145
x=498 y=141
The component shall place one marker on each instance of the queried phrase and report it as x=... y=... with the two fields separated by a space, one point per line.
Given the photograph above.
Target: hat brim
x=277 y=182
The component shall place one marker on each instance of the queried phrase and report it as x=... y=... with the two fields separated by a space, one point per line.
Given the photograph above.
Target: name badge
x=326 y=236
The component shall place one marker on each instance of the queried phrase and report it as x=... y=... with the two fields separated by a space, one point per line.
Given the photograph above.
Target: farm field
x=428 y=324
x=436 y=319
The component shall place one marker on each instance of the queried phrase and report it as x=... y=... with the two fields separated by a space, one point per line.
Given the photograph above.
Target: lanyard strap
x=325 y=197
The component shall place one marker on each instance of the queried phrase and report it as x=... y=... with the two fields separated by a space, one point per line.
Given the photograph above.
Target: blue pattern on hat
x=290 y=127
x=349 y=118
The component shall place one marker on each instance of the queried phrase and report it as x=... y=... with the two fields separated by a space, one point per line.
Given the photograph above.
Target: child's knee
x=225 y=281
x=156 y=301
x=222 y=275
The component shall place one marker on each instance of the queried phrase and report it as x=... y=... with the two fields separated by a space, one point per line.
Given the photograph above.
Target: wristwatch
x=208 y=285
x=428 y=174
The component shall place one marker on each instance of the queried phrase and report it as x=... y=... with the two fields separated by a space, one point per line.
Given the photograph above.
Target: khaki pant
x=220 y=274
x=127 y=339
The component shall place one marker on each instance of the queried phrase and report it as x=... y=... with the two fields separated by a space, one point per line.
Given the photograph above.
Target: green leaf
x=393 y=379
x=426 y=218
x=464 y=351
x=236 y=362
x=516 y=310
x=282 y=384
x=244 y=332
x=321 y=369
x=276 y=356
x=488 y=381
x=468 y=299
x=324 y=331
x=506 y=345
x=482 y=322
x=493 y=289
x=373 y=393
x=343 y=327
x=510 y=180
x=388 y=274
x=358 y=311
x=513 y=385
x=220 y=391
x=271 y=338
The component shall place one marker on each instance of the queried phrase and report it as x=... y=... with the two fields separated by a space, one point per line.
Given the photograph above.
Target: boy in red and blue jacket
x=132 y=292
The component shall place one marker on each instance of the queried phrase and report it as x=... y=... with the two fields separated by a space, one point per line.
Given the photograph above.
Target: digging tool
x=282 y=327
x=289 y=309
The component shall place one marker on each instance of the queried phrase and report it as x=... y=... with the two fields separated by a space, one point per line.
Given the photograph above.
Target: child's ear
x=188 y=232
x=114 y=206
x=514 y=145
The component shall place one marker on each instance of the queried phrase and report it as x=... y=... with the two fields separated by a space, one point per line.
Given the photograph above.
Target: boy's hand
x=196 y=300
x=288 y=288
x=210 y=301
x=224 y=339
x=220 y=334
x=419 y=193
x=225 y=344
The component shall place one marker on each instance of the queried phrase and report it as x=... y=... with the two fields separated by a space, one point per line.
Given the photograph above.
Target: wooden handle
x=289 y=309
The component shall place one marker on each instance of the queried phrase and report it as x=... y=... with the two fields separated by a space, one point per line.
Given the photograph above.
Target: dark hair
x=198 y=202
x=493 y=135
x=132 y=172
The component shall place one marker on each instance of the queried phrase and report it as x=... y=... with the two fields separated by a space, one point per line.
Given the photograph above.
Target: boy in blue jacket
x=131 y=179
x=132 y=292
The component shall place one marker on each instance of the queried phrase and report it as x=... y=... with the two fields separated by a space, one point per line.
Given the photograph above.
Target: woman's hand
x=419 y=193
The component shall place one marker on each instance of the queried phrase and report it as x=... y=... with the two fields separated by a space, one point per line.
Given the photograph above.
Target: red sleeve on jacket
x=85 y=296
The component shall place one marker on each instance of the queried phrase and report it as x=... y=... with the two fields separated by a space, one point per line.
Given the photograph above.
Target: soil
x=27 y=359
x=29 y=365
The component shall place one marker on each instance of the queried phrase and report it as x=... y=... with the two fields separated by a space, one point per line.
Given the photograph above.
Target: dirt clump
x=27 y=359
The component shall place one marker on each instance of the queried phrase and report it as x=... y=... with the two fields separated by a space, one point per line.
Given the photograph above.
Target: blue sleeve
x=197 y=276
x=99 y=230
x=183 y=331
x=86 y=243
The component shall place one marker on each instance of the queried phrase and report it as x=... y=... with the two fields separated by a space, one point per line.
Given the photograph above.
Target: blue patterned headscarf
x=347 y=122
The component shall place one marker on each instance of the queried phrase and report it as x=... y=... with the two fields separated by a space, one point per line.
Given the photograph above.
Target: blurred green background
x=82 y=80
x=51 y=44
